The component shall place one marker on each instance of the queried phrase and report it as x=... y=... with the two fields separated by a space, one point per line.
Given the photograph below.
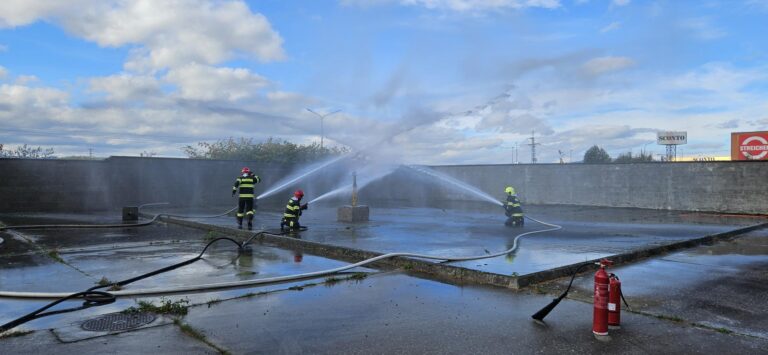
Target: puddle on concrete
x=589 y=232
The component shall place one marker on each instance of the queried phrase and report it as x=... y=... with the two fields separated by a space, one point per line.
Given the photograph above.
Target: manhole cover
x=118 y=321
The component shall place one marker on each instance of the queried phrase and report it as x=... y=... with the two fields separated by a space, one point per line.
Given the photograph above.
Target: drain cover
x=118 y=321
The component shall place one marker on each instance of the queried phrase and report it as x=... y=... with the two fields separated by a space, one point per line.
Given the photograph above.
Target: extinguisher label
x=601 y=296
x=611 y=306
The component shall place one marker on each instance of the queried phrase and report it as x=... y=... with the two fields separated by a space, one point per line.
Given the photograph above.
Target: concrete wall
x=737 y=187
x=88 y=185
x=81 y=185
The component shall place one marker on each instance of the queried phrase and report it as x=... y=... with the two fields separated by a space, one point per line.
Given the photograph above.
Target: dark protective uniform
x=292 y=213
x=245 y=202
x=514 y=211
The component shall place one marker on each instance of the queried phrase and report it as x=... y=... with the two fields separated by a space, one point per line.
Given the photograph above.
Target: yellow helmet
x=510 y=190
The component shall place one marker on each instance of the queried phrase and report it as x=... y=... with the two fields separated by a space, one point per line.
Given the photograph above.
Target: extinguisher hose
x=539 y=316
x=621 y=292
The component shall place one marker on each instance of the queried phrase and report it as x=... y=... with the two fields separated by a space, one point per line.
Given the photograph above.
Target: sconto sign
x=672 y=138
x=749 y=145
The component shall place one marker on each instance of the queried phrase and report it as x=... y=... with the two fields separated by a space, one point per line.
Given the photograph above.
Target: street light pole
x=322 y=117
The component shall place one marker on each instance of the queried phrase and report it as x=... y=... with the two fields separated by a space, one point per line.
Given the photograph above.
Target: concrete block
x=130 y=213
x=353 y=213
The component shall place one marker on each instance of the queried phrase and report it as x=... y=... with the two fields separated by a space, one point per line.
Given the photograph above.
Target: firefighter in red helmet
x=245 y=206
x=292 y=212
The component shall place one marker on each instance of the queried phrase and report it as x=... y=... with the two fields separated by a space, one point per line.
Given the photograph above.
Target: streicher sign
x=672 y=138
x=749 y=145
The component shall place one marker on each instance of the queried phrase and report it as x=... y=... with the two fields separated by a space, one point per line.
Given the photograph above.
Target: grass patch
x=358 y=276
x=213 y=302
x=675 y=319
x=104 y=281
x=724 y=330
x=198 y=335
x=211 y=235
x=54 y=254
x=408 y=267
x=16 y=333
x=167 y=306
x=330 y=281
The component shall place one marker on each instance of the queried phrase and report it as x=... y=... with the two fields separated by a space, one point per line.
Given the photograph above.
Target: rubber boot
x=250 y=222
x=239 y=222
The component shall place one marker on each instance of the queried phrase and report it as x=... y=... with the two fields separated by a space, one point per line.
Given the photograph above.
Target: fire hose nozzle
x=604 y=263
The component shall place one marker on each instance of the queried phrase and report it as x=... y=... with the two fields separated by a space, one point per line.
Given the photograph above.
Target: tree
x=27 y=152
x=270 y=150
x=596 y=155
x=629 y=158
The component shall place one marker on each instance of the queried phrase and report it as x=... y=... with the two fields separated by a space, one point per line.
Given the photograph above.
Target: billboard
x=749 y=145
x=671 y=138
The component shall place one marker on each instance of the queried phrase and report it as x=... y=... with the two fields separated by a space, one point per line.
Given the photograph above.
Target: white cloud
x=611 y=27
x=25 y=79
x=166 y=33
x=718 y=77
x=3 y=72
x=602 y=65
x=703 y=28
x=620 y=2
x=206 y=83
x=126 y=87
x=464 y=5
x=759 y=4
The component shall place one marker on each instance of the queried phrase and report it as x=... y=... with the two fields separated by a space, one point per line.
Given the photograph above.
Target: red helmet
x=298 y=194
x=246 y=170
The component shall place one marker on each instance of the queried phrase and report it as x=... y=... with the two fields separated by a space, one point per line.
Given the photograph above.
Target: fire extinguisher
x=614 y=302
x=600 y=316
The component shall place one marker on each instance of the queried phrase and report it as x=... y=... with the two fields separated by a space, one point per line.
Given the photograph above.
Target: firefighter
x=512 y=209
x=245 y=205
x=292 y=212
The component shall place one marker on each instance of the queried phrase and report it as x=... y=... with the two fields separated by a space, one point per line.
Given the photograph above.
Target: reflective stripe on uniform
x=240 y=215
x=246 y=185
x=246 y=195
x=517 y=215
x=289 y=215
x=249 y=212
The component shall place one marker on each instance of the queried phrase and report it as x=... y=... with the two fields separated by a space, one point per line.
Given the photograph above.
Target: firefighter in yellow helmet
x=512 y=208
x=292 y=212
x=245 y=205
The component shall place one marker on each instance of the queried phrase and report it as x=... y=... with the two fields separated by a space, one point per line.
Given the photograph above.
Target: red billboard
x=749 y=145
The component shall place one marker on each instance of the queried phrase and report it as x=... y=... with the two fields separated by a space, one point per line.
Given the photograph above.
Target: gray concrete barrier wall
x=81 y=185
x=87 y=185
x=734 y=187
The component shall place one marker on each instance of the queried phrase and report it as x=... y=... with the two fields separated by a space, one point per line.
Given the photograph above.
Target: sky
x=432 y=81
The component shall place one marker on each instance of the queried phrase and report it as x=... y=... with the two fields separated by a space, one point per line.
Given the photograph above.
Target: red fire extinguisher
x=600 y=318
x=614 y=302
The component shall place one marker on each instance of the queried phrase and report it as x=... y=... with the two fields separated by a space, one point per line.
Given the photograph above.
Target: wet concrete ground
x=723 y=286
x=393 y=312
x=588 y=232
x=71 y=260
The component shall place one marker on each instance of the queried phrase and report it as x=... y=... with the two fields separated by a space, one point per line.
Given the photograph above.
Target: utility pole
x=533 y=145
x=322 y=117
